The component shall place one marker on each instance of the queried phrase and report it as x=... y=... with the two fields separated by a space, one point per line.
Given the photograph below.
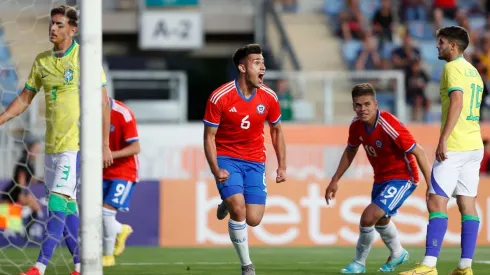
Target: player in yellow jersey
x=459 y=153
x=57 y=72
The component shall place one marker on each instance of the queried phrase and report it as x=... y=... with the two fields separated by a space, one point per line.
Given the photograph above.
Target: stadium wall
x=174 y=204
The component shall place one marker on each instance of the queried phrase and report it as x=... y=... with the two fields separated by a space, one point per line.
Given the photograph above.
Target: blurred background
x=164 y=57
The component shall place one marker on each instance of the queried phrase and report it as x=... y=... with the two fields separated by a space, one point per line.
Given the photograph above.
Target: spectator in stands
x=404 y=56
x=438 y=19
x=383 y=22
x=485 y=163
x=448 y=7
x=351 y=21
x=483 y=56
x=285 y=100
x=416 y=82
x=368 y=57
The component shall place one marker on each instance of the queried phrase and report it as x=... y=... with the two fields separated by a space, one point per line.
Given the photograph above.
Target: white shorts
x=459 y=174
x=60 y=173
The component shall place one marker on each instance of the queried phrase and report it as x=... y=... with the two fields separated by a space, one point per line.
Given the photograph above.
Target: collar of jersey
x=73 y=44
x=366 y=126
x=240 y=92
x=458 y=57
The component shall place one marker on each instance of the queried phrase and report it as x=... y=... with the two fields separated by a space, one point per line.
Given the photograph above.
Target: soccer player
x=458 y=156
x=119 y=179
x=392 y=152
x=57 y=71
x=234 y=145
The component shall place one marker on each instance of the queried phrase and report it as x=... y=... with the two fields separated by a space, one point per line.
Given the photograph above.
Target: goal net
x=23 y=198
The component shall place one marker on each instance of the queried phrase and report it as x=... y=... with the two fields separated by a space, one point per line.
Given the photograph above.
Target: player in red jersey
x=234 y=145
x=392 y=152
x=119 y=179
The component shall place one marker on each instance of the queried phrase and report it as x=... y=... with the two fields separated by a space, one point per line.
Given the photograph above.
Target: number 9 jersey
x=388 y=145
x=241 y=120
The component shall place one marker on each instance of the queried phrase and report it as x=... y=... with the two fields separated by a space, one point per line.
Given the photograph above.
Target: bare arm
x=18 y=106
x=455 y=107
x=106 y=117
x=345 y=162
x=21 y=179
x=132 y=149
x=279 y=144
x=423 y=162
x=210 y=148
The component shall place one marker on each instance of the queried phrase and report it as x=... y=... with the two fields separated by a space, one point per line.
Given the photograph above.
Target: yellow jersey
x=59 y=77
x=460 y=75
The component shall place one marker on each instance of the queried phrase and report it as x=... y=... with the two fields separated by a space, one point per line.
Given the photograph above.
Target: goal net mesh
x=23 y=211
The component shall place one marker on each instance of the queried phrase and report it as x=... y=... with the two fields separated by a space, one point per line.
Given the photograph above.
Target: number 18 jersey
x=241 y=120
x=388 y=145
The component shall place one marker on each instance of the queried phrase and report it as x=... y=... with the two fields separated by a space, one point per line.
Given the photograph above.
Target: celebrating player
x=392 y=152
x=119 y=179
x=57 y=72
x=234 y=145
x=458 y=156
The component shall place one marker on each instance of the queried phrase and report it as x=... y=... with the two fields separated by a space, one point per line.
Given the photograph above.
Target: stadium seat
x=477 y=22
x=369 y=8
x=333 y=7
x=387 y=48
x=386 y=101
x=350 y=49
x=436 y=70
x=428 y=50
x=420 y=30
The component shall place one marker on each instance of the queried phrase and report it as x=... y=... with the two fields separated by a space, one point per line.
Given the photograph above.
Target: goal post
x=91 y=136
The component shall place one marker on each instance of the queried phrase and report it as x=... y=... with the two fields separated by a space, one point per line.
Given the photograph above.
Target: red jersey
x=123 y=132
x=240 y=121
x=387 y=147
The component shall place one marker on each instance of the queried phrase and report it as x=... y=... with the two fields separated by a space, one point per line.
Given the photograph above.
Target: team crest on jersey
x=260 y=109
x=68 y=76
x=379 y=144
x=112 y=128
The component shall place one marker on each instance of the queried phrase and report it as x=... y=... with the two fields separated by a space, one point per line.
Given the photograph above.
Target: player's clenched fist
x=331 y=190
x=221 y=175
x=281 y=175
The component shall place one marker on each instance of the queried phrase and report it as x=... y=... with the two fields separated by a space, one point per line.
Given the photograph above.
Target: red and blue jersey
x=388 y=145
x=241 y=120
x=123 y=132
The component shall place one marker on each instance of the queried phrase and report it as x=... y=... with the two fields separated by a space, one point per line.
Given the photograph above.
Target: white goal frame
x=91 y=137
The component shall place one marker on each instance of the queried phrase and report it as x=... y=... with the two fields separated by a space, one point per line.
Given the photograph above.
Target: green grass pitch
x=223 y=261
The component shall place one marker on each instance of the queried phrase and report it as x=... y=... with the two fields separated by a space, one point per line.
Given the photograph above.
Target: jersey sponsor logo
x=232 y=110
x=379 y=144
x=68 y=76
x=260 y=109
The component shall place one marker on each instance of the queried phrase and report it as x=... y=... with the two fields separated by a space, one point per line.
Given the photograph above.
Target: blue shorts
x=117 y=193
x=390 y=195
x=246 y=177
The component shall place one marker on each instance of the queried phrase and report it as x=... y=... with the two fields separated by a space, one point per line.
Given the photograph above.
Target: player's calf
x=470 y=223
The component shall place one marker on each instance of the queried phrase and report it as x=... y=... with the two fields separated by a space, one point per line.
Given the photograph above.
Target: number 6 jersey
x=241 y=120
x=388 y=145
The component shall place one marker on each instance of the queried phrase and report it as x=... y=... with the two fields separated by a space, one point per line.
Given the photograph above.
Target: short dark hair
x=69 y=12
x=245 y=51
x=455 y=34
x=363 y=89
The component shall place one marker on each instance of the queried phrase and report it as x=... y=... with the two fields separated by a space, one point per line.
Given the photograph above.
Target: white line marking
x=482 y=262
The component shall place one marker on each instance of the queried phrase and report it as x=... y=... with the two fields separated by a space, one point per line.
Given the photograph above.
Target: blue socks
x=469 y=234
x=70 y=233
x=435 y=233
x=54 y=230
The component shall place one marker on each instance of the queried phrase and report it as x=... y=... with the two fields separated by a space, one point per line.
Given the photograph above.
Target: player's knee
x=437 y=203
x=466 y=205
x=237 y=211
x=383 y=221
x=253 y=220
